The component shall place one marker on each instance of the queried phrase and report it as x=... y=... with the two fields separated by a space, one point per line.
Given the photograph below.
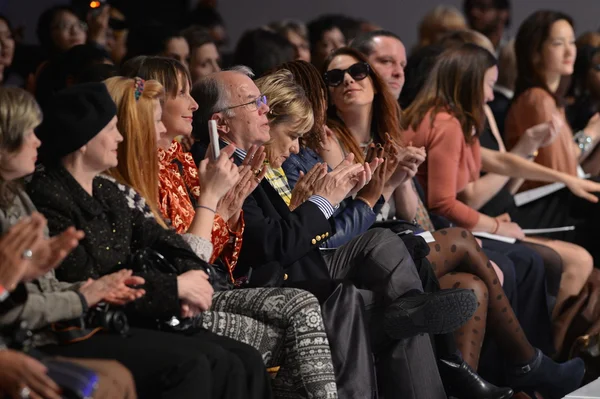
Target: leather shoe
x=433 y=313
x=462 y=382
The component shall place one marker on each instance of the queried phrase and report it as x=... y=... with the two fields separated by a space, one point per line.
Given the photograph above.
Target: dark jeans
x=174 y=366
x=377 y=262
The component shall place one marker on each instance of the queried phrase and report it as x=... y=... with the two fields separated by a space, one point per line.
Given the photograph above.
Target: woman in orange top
x=179 y=187
x=545 y=50
x=446 y=118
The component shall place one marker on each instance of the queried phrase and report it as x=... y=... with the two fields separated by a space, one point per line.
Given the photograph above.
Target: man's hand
x=305 y=186
x=337 y=184
x=251 y=173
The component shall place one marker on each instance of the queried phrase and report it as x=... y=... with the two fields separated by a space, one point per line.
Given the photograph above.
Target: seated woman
x=577 y=263
x=462 y=254
x=288 y=122
x=567 y=265
x=546 y=52
x=438 y=120
x=46 y=300
x=21 y=374
x=247 y=315
x=82 y=125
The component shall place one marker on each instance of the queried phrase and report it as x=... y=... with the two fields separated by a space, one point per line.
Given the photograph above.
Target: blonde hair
x=19 y=112
x=138 y=158
x=287 y=100
x=442 y=19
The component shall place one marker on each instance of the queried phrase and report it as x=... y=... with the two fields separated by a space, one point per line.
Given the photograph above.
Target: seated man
x=284 y=244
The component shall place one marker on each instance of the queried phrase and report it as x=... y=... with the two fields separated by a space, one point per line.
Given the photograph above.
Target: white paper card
x=427 y=236
x=528 y=196
x=549 y=230
x=495 y=237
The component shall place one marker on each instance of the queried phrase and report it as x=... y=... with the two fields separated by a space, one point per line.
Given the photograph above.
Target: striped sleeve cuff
x=323 y=204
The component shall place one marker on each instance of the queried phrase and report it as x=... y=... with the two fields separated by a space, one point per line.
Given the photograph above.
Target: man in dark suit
x=283 y=246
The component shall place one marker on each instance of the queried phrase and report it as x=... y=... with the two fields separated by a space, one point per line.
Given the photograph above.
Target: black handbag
x=149 y=260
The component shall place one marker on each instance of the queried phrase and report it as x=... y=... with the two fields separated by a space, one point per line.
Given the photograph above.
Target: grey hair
x=212 y=96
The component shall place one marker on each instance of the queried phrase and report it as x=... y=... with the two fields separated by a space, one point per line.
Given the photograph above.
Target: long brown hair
x=386 y=111
x=455 y=85
x=530 y=39
x=167 y=71
x=138 y=158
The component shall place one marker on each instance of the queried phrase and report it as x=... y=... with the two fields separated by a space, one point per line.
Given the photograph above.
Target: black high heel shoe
x=542 y=374
x=462 y=382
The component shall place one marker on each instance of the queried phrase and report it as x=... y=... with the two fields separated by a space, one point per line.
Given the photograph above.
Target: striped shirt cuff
x=324 y=205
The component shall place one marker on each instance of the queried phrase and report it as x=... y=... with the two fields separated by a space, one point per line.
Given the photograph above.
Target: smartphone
x=214 y=138
x=95 y=7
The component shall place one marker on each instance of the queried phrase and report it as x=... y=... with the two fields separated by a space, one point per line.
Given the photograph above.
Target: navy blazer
x=278 y=239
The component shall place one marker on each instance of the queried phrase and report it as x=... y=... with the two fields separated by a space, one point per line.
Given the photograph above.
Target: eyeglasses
x=67 y=27
x=358 y=71
x=254 y=104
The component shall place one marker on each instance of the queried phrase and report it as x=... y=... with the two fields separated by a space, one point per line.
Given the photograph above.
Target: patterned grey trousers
x=286 y=327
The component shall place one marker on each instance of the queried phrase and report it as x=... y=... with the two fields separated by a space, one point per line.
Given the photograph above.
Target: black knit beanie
x=73 y=117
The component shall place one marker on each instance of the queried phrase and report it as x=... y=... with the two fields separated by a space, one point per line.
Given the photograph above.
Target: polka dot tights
x=459 y=262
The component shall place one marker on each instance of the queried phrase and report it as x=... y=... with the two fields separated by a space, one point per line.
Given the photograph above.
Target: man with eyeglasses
x=282 y=247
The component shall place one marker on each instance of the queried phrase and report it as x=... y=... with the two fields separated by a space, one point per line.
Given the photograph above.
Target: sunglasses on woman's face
x=357 y=71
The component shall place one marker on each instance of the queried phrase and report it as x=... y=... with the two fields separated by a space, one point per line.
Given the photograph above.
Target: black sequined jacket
x=113 y=232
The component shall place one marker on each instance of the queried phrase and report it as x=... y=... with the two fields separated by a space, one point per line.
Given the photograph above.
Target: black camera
x=107 y=318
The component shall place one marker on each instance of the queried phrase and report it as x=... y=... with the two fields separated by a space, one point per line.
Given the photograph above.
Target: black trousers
x=379 y=264
x=166 y=365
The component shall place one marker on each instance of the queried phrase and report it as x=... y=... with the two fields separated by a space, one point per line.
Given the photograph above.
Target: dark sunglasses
x=358 y=71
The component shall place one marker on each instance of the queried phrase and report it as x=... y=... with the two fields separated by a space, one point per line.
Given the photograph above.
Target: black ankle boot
x=551 y=379
x=462 y=382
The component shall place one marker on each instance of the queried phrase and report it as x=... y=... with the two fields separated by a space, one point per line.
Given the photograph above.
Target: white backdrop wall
x=400 y=16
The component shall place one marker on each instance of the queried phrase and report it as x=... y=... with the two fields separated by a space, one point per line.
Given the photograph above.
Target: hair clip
x=138 y=87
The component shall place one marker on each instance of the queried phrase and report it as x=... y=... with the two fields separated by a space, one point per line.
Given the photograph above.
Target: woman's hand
x=195 y=290
x=26 y=234
x=305 y=186
x=217 y=177
x=113 y=289
x=510 y=229
x=372 y=191
x=583 y=188
x=542 y=135
x=19 y=372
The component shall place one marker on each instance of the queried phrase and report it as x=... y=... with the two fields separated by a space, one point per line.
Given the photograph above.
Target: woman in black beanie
x=80 y=140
